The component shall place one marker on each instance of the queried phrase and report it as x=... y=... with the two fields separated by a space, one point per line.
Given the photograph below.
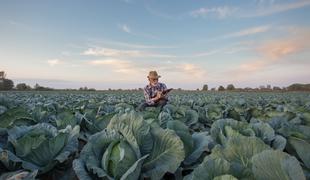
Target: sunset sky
x=114 y=43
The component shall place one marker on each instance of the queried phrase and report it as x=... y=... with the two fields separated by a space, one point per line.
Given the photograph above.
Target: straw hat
x=153 y=75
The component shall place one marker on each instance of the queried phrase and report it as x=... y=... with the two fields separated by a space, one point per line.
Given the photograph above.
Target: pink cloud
x=273 y=52
x=281 y=48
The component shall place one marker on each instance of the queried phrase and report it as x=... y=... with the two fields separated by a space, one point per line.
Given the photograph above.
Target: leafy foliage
x=197 y=135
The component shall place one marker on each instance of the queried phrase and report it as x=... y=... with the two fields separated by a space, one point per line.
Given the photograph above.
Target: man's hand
x=158 y=96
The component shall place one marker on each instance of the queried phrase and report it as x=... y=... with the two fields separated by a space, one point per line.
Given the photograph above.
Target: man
x=154 y=92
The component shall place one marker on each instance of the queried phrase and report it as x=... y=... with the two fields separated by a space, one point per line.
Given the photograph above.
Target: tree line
x=231 y=87
x=8 y=84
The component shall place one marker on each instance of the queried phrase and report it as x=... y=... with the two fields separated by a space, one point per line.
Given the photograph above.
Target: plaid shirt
x=151 y=91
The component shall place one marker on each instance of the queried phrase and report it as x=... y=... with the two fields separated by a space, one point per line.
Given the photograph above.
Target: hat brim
x=153 y=76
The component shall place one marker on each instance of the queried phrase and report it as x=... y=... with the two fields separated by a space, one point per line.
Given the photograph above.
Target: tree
x=2 y=75
x=6 y=84
x=83 y=88
x=91 y=89
x=205 y=87
x=22 y=87
x=269 y=86
x=221 y=88
x=230 y=87
x=37 y=87
x=299 y=87
x=276 y=88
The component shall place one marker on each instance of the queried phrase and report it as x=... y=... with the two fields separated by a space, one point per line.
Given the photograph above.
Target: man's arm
x=163 y=94
x=149 y=100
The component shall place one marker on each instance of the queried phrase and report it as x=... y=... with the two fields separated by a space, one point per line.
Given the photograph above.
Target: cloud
x=248 y=71
x=207 y=53
x=116 y=65
x=249 y=31
x=119 y=66
x=112 y=52
x=220 y=12
x=262 y=71
x=252 y=66
x=117 y=53
x=65 y=63
x=262 y=8
x=297 y=42
x=297 y=39
x=231 y=49
x=273 y=8
x=241 y=33
x=54 y=62
x=278 y=49
x=135 y=46
x=129 y=70
x=109 y=52
x=182 y=72
x=275 y=53
x=143 y=46
x=192 y=70
x=125 y=28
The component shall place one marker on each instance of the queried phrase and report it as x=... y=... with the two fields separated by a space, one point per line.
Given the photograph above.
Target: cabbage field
x=197 y=135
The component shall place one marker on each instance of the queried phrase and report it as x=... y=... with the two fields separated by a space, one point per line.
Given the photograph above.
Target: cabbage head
x=129 y=148
x=39 y=147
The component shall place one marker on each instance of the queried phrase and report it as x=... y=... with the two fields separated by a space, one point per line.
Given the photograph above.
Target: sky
x=115 y=43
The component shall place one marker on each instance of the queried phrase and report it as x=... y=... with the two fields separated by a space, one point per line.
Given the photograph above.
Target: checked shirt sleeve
x=147 y=96
x=164 y=87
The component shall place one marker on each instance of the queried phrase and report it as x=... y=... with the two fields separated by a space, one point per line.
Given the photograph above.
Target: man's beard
x=154 y=84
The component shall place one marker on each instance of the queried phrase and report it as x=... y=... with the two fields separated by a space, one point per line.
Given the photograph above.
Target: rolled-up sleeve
x=148 y=97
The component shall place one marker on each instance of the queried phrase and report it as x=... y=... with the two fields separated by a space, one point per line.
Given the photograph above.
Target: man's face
x=153 y=81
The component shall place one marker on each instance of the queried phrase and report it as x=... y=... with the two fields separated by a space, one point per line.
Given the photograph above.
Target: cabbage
x=39 y=147
x=128 y=149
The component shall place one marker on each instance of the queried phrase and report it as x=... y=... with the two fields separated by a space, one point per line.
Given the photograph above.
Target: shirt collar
x=150 y=86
